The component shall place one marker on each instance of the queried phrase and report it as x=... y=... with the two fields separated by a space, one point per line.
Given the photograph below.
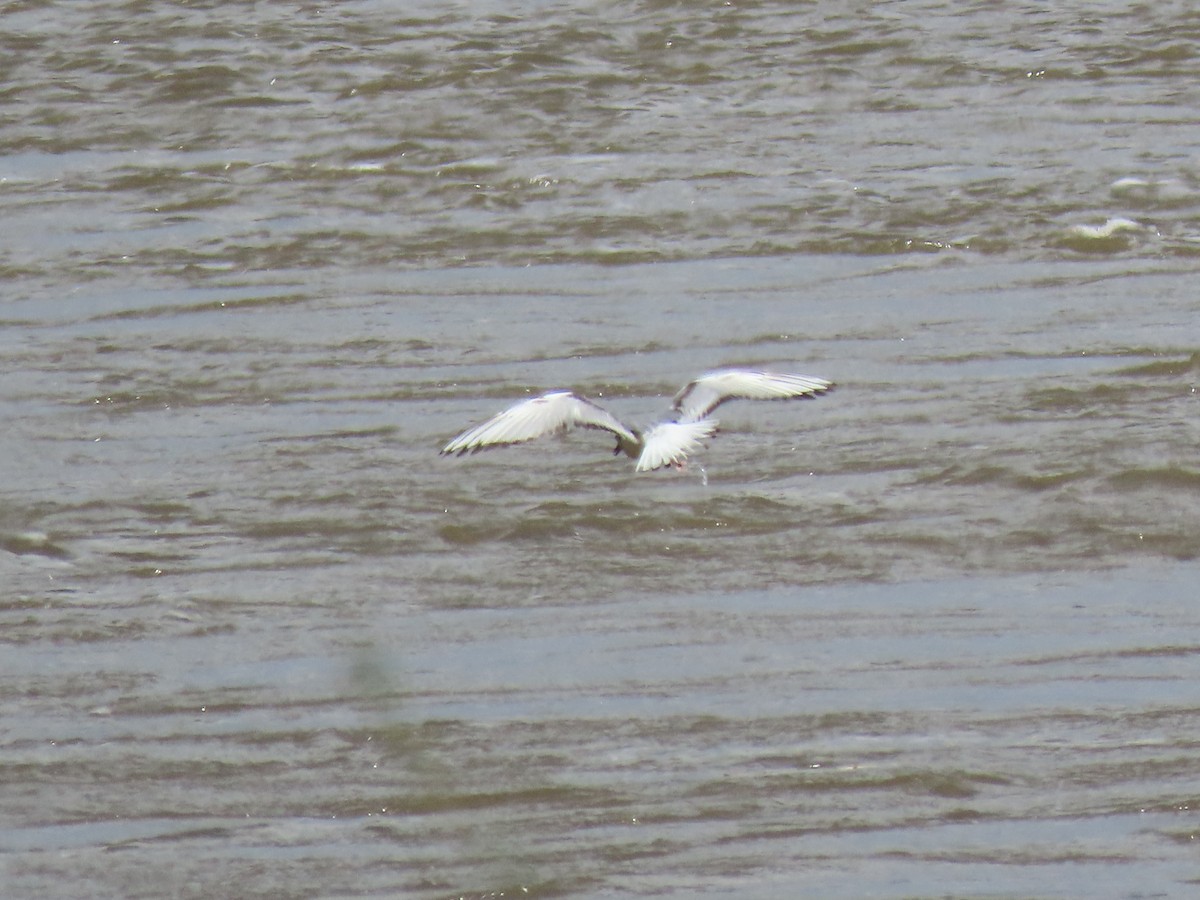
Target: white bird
x=665 y=444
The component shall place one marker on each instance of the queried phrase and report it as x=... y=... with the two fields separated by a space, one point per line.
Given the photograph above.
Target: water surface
x=931 y=635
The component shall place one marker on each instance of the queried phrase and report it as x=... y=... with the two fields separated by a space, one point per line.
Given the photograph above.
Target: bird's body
x=665 y=444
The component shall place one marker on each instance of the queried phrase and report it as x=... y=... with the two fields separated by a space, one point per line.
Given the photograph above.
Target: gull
x=665 y=444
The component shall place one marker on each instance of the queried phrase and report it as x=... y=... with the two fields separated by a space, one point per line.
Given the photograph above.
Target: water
x=931 y=635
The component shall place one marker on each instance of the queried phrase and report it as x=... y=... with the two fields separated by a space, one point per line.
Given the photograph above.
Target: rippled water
x=934 y=634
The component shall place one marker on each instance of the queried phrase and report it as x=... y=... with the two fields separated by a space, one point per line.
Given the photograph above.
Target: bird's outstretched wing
x=669 y=443
x=700 y=397
x=554 y=412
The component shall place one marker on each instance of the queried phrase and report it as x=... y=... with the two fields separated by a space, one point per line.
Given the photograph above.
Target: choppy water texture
x=935 y=634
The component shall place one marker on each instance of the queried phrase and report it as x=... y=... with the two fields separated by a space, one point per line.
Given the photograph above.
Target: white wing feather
x=700 y=397
x=669 y=443
x=554 y=412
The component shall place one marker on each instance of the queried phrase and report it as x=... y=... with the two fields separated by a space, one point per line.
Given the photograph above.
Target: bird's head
x=632 y=449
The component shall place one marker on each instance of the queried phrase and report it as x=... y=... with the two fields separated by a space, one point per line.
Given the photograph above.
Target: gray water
x=932 y=635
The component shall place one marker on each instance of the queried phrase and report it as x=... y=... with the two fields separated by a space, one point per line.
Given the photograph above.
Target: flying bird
x=665 y=444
